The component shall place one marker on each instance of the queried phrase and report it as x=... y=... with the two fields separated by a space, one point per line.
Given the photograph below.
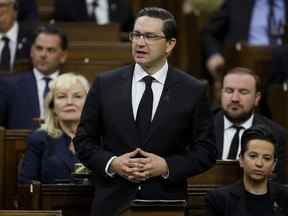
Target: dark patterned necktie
x=5 y=55
x=144 y=112
x=46 y=89
x=234 y=143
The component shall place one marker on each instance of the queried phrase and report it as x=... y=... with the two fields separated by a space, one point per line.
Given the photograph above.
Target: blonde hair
x=66 y=80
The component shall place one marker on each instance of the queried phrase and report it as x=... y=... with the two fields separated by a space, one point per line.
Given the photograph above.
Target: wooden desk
x=76 y=199
x=12 y=148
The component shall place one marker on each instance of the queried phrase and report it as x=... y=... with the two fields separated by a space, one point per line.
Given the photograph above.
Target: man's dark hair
x=242 y=70
x=169 y=22
x=260 y=132
x=51 y=29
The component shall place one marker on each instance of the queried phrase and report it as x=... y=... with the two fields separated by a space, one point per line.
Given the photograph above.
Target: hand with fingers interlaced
x=138 y=166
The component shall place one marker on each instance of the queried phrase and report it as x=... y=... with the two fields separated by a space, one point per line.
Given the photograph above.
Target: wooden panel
x=29 y=213
x=14 y=148
x=45 y=9
x=90 y=31
x=74 y=199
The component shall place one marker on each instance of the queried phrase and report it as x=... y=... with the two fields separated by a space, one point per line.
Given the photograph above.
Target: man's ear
x=241 y=161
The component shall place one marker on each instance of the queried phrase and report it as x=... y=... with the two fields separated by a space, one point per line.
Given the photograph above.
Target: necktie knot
x=46 y=88
x=5 y=39
x=148 y=80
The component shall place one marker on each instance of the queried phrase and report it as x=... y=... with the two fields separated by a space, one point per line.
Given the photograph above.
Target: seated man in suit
x=26 y=91
x=254 y=195
x=15 y=39
x=99 y=11
x=240 y=96
x=251 y=22
x=146 y=127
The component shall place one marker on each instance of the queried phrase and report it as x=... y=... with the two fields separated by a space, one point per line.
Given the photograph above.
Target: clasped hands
x=138 y=165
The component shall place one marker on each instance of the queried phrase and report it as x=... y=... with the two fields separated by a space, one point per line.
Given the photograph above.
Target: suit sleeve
x=214 y=204
x=215 y=31
x=88 y=137
x=31 y=164
x=201 y=152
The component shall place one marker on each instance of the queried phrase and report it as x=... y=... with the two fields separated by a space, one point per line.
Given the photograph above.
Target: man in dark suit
x=26 y=91
x=17 y=37
x=27 y=11
x=147 y=149
x=254 y=194
x=118 y=11
x=239 y=98
x=243 y=21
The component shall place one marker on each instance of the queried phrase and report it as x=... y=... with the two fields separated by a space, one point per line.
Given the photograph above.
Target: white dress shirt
x=12 y=34
x=229 y=132
x=101 y=11
x=40 y=82
x=138 y=88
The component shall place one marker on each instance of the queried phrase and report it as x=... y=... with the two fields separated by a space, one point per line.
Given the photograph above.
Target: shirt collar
x=159 y=76
x=12 y=33
x=247 y=124
x=39 y=76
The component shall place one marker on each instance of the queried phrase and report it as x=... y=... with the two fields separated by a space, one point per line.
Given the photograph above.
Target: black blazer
x=279 y=132
x=76 y=10
x=47 y=159
x=181 y=132
x=229 y=25
x=230 y=200
x=27 y=10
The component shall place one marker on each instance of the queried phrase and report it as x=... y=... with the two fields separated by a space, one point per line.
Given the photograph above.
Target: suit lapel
x=29 y=88
x=62 y=152
x=219 y=128
x=163 y=106
x=124 y=91
x=238 y=197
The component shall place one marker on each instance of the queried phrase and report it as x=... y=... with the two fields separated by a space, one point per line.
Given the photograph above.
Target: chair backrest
x=12 y=148
x=30 y=213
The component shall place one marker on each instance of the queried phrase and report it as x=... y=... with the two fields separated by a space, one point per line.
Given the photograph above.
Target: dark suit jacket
x=279 y=132
x=22 y=103
x=76 y=10
x=181 y=132
x=47 y=159
x=27 y=10
x=229 y=25
x=24 y=42
x=230 y=200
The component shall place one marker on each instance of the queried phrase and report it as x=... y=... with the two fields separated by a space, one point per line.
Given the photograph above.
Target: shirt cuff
x=108 y=170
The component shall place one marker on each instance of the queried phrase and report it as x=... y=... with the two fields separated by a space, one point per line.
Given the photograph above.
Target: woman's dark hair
x=260 y=132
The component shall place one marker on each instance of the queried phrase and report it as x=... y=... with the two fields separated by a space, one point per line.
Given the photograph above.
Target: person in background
x=146 y=127
x=50 y=156
x=27 y=11
x=15 y=38
x=251 y=22
x=27 y=90
x=99 y=11
x=254 y=195
x=240 y=96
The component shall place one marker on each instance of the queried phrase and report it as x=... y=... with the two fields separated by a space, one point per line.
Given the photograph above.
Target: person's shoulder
x=38 y=136
x=270 y=123
x=116 y=73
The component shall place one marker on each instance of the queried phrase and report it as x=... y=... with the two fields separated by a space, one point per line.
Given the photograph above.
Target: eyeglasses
x=148 y=37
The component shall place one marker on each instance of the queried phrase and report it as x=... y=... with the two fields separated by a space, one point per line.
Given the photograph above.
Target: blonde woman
x=50 y=155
